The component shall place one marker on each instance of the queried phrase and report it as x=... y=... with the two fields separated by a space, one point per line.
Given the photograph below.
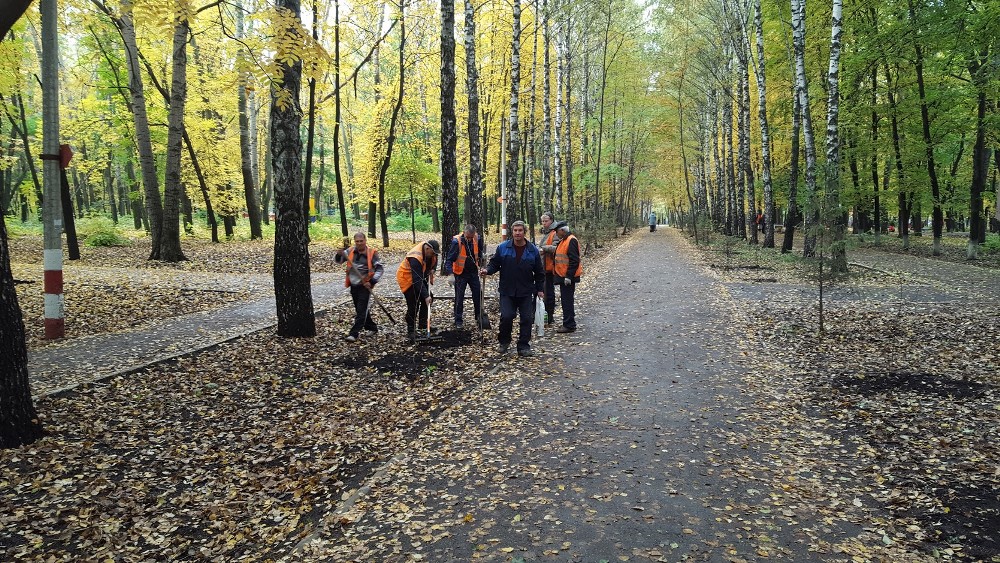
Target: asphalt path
x=633 y=439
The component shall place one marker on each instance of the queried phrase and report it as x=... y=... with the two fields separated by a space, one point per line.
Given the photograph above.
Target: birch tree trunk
x=765 y=134
x=292 y=289
x=449 y=134
x=472 y=91
x=838 y=253
x=513 y=137
x=793 y=215
x=557 y=164
x=568 y=121
x=745 y=213
x=170 y=241
x=802 y=93
x=546 y=144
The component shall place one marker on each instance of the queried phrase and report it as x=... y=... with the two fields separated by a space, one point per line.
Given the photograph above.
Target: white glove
x=567 y=281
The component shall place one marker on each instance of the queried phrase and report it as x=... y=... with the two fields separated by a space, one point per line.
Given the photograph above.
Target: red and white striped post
x=52 y=223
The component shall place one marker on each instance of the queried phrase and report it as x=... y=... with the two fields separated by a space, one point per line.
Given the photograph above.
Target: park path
x=63 y=366
x=631 y=439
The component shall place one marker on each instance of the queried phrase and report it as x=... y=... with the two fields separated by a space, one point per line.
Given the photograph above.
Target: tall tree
x=802 y=92
x=391 y=136
x=292 y=290
x=246 y=148
x=765 y=131
x=337 y=126
x=513 y=137
x=449 y=132
x=170 y=240
x=475 y=213
x=838 y=261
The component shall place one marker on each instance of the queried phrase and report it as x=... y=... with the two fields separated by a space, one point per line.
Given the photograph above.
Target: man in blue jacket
x=522 y=281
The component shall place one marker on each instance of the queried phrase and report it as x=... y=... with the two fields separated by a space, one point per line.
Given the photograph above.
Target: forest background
x=618 y=107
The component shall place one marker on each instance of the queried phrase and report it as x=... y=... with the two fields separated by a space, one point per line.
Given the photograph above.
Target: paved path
x=62 y=366
x=624 y=441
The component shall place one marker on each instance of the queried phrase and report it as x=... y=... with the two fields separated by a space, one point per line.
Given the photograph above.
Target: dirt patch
x=892 y=382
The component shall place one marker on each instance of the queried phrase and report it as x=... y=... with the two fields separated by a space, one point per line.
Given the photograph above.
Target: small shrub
x=107 y=238
x=401 y=222
x=992 y=243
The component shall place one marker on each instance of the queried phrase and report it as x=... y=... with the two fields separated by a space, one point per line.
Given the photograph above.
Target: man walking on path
x=521 y=279
x=652 y=221
x=364 y=270
x=415 y=277
x=465 y=259
x=548 y=247
x=567 y=271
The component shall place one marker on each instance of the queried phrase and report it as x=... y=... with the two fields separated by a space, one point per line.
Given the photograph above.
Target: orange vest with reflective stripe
x=562 y=260
x=404 y=276
x=370 y=254
x=458 y=266
x=546 y=257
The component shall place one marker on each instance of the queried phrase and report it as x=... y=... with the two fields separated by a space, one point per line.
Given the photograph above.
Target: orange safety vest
x=404 y=276
x=562 y=260
x=546 y=257
x=458 y=266
x=350 y=262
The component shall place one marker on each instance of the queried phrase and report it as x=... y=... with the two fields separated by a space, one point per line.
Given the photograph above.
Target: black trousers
x=416 y=309
x=362 y=314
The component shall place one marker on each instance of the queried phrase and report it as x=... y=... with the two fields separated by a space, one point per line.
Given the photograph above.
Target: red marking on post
x=53 y=281
x=54 y=328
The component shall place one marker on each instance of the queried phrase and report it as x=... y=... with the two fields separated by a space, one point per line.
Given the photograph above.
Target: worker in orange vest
x=548 y=247
x=465 y=258
x=567 y=271
x=364 y=270
x=415 y=277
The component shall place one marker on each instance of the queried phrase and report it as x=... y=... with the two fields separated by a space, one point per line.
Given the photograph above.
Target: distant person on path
x=415 y=277
x=652 y=221
x=521 y=284
x=364 y=270
x=465 y=259
x=568 y=270
x=549 y=226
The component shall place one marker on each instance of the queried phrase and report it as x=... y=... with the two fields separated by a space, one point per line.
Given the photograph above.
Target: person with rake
x=364 y=270
x=521 y=286
x=465 y=259
x=415 y=277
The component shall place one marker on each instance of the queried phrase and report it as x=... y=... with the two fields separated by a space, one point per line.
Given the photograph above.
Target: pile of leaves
x=894 y=406
x=231 y=454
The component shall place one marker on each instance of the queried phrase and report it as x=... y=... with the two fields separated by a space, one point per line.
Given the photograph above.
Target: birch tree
x=802 y=93
x=292 y=289
x=475 y=213
x=765 y=134
x=449 y=134
x=838 y=262
x=513 y=137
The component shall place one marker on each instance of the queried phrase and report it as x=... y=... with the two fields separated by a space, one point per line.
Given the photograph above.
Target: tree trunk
x=449 y=132
x=292 y=291
x=475 y=189
x=980 y=169
x=547 y=191
x=925 y=120
x=513 y=137
x=246 y=149
x=336 y=120
x=877 y=228
x=765 y=134
x=19 y=424
x=802 y=92
x=311 y=126
x=391 y=137
x=904 y=208
x=143 y=138
x=792 y=216
x=170 y=241
x=838 y=254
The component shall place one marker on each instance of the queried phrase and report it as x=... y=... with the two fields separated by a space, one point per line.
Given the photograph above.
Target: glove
x=567 y=281
x=549 y=248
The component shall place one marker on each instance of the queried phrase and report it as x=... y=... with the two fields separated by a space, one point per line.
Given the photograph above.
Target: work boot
x=459 y=325
x=504 y=348
x=351 y=337
x=525 y=352
x=565 y=329
x=411 y=337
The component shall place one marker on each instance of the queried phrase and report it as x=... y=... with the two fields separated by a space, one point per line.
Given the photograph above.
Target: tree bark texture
x=170 y=240
x=765 y=134
x=475 y=212
x=19 y=422
x=513 y=136
x=449 y=132
x=292 y=291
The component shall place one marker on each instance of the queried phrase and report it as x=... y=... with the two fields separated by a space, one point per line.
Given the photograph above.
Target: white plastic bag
x=539 y=319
